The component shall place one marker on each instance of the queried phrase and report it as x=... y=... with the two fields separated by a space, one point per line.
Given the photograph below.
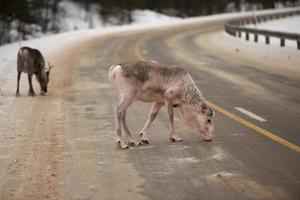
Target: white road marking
x=250 y=114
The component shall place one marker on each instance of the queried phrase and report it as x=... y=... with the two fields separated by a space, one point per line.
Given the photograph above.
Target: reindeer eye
x=204 y=108
x=209 y=120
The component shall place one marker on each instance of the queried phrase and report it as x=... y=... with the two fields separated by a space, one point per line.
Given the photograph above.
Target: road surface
x=62 y=146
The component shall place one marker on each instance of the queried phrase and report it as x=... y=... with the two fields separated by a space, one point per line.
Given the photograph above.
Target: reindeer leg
x=31 y=91
x=119 y=112
x=18 y=83
x=172 y=137
x=151 y=116
x=130 y=140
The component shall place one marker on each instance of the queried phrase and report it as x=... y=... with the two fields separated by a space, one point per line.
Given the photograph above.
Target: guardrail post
x=234 y=32
x=235 y=28
x=282 y=42
x=255 y=38
x=267 y=39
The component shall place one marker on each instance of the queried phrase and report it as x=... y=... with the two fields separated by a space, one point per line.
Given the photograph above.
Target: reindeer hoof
x=145 y=141
x=121 y=146
x=176 y=139
x=132 y=143
x=17 y=94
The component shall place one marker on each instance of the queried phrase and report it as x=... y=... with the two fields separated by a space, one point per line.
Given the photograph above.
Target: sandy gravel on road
x=31 y=132
x=41 y=146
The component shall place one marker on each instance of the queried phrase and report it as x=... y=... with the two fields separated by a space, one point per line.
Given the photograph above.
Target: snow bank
x=150 y=17
x=290 y=25
x=74 y=17
x=273 y=59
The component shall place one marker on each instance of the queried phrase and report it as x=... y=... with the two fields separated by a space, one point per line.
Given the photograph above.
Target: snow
x=185 y=160
x=79 y=23
x=150 y=17
x=273 y=59
x=289 y=24
x=274 y=42
x=74 y=17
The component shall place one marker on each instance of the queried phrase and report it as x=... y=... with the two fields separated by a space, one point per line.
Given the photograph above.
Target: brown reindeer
x=169 y=86
x=31 y=61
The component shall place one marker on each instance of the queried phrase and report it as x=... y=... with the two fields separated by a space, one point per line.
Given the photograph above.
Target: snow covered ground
x=150 y=17
x=75 y=17
x=271 y=58
x=289 y=25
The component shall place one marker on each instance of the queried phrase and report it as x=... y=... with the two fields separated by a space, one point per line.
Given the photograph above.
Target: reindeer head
x=44 y=79
x=205 y=118
x=47 y=71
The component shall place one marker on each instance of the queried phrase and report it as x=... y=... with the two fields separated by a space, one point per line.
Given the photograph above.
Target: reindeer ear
x=49 y=67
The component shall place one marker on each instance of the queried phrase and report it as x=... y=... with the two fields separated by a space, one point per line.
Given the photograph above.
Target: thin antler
x=49 y=66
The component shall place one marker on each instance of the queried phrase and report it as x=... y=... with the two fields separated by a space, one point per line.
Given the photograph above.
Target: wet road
x=241 y=163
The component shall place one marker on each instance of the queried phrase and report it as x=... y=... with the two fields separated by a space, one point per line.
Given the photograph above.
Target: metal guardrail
x=236 y=28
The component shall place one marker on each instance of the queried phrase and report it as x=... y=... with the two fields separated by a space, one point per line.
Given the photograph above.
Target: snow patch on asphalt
x=219 y=155
x=221 y=174
x=185 y=160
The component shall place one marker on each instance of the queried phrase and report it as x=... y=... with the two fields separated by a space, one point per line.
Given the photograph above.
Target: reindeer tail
x=112 y=71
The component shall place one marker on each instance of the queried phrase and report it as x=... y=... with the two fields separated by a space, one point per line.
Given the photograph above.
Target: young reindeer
x=31 y=61
x=171 y=86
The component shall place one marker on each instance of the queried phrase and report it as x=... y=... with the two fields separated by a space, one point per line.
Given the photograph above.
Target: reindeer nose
x=208 y=137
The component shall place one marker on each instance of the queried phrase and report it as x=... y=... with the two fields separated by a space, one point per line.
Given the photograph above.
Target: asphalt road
x=241 y=162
